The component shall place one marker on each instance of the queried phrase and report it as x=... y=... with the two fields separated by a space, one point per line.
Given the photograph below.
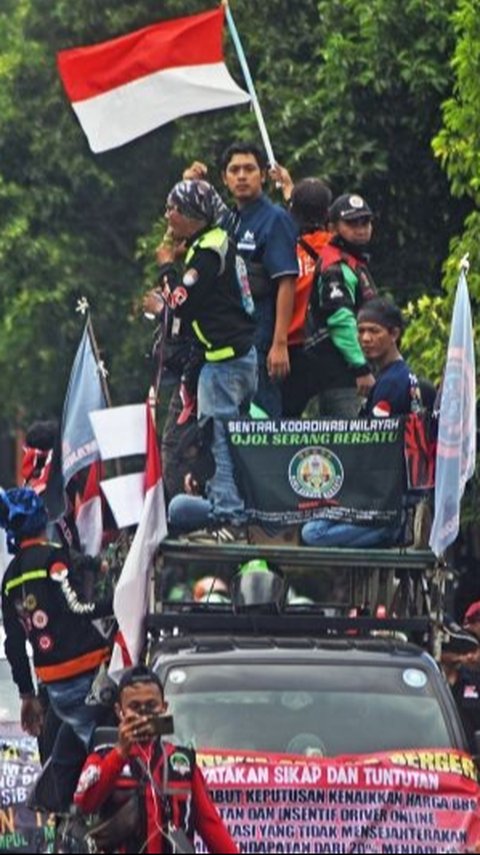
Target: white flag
x=132 y=592
x=457 y=429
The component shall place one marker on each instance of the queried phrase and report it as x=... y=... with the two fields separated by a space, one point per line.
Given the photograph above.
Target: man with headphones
x=150 y=793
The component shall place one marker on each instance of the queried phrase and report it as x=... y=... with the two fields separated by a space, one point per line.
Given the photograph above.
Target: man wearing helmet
x=40 y=604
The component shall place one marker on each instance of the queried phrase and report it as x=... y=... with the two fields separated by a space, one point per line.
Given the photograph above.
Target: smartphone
x=162 y=725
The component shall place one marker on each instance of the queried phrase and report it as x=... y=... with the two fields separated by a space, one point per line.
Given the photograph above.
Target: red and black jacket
x=176 y=795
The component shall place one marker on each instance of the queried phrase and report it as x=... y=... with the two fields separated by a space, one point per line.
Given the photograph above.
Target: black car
x=259 y=673
x=315 y=696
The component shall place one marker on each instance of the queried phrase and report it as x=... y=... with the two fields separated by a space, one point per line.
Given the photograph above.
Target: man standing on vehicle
x=343 y=285
x=212 y=296
x=266 y=238
x=150 y=794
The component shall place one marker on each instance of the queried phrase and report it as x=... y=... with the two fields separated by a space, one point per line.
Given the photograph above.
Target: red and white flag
x=132 y=592
x=130 y=85
x=89 y=514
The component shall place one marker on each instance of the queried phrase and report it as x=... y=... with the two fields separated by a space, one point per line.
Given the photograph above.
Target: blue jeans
x=225 y=391
x=327 y=533
x=188 y=513
x=67 y=698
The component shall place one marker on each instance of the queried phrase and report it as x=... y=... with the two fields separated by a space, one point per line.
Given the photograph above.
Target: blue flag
x=456 y=448
x=77 y=447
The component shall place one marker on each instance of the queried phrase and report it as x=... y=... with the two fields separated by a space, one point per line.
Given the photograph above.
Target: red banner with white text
x=412 y=801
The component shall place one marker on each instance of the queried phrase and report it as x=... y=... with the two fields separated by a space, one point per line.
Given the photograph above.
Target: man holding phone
x=150 y=794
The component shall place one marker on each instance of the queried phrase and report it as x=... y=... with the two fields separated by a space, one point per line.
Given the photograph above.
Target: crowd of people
x=275 y=313
x=268 y=311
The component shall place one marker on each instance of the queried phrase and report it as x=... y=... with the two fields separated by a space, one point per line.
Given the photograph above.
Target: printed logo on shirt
x=172 y=298
x=244 y=285
x=45 y=643
x=88 y=778
x=59 y=572
x=180 y=763
x=335 y=291
x=190 y=277
x=471 y=692
x=179 y=296
x=247 y=241
x=382 y=409
x=40 y=619
x=316 y=473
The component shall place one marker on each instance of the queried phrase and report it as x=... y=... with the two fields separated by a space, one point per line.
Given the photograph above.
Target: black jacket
x=212 y=296
x=39 y=603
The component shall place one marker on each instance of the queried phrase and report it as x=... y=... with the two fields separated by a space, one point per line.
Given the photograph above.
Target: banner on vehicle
x=412 y=801
x=21 y=830
x=293 y=470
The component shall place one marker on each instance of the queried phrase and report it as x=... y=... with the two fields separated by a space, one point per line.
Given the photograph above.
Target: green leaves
x=351 y=91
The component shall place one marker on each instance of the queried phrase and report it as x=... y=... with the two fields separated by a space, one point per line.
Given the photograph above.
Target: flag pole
x=102 y=371
x=83 y=308
x=249 y=82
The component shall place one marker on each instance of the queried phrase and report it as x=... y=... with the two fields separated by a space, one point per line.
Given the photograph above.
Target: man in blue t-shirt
x=396 y=392
x=266 y=238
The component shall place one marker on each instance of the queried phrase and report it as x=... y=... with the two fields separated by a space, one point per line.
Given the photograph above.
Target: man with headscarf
x=212 y=296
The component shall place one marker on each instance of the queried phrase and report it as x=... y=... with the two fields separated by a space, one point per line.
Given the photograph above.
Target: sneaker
x=222 y=535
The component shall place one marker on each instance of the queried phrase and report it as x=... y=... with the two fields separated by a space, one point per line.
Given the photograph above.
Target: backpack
x=329 y=256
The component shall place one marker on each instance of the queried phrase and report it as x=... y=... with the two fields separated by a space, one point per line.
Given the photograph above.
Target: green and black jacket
x=208 y=296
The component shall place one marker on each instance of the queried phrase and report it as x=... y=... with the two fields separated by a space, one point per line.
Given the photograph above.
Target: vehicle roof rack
x=409 y=583
x=396 y=558
x=212 y=621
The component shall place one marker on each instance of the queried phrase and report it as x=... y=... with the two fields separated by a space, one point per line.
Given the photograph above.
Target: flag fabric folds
x=77 y=447
x=132 y=591
x=89 y=512
x=130 y=85
x=456 y=448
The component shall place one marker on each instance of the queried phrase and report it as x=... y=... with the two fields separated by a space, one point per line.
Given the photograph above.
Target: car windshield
x=9 y=700
x=305 y=709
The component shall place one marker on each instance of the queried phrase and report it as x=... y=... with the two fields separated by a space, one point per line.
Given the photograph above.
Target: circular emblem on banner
x=456 y=414
x=315 y=473
x=45 y=643
x=40 y=619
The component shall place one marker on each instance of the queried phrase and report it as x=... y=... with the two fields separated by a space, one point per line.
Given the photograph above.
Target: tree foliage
x=351 y=91
x=457 y=146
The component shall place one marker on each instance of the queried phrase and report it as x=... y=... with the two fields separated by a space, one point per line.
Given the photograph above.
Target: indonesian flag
x=88 y=512
x=130 y=85
x=130 y=603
